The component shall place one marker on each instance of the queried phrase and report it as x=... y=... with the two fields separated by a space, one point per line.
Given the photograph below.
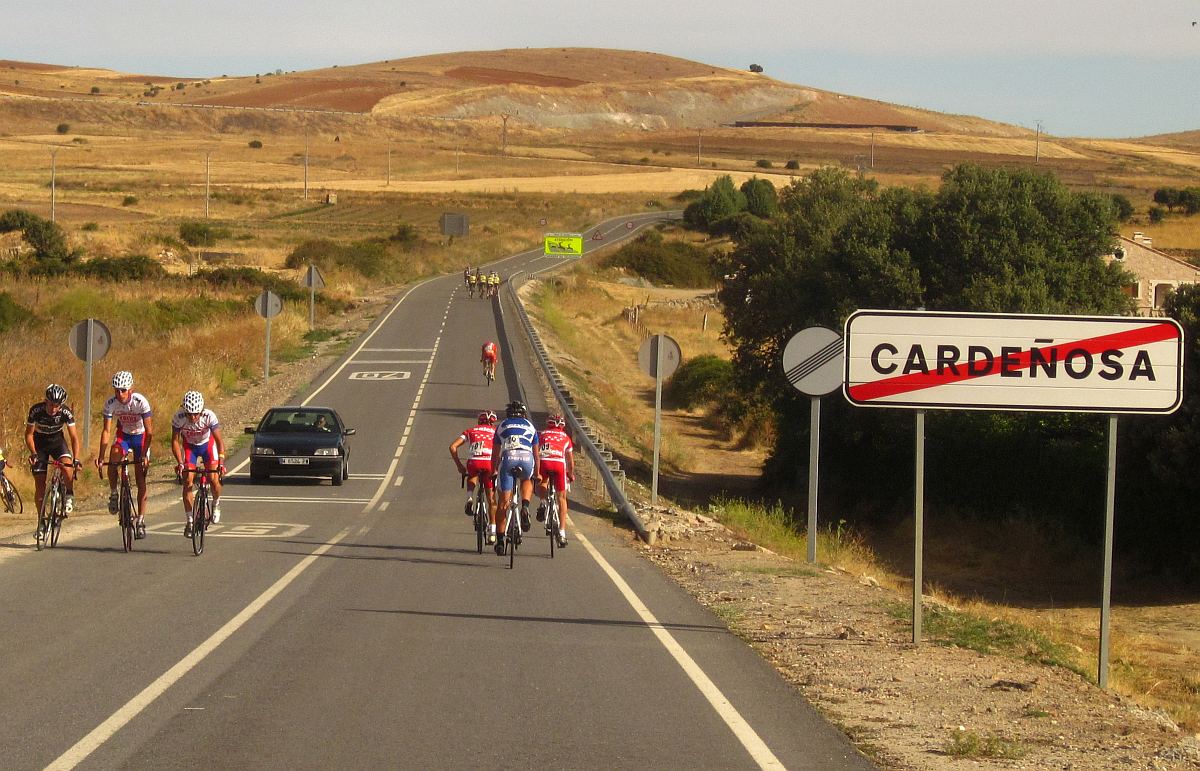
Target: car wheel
x=346 y=469
x=339 y=476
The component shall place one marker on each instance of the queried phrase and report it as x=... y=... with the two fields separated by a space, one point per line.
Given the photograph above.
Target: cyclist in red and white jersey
x=558 y=464
x=488 y=355
x=196 y=440
x=479 y=440
x=135 y=430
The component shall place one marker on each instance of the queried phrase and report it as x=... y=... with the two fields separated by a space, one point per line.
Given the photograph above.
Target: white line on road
x=749 y=738
x=383 y=506
x=392 y=361
x=287 y=499
x=119 y=719
x=397 y=350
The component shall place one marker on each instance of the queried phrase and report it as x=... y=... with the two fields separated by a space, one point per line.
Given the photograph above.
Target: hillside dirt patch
x=504 y=77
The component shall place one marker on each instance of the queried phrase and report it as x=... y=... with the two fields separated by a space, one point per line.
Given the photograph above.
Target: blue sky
x=1102 y=68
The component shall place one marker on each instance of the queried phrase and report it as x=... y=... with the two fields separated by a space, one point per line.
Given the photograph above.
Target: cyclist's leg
x=39 y=475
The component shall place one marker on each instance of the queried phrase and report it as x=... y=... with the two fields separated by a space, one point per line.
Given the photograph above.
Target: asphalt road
x=356 y=627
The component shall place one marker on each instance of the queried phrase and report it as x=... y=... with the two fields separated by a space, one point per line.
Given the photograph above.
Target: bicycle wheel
x=199 y=517
x=60 y=512
x=12 y=498
x=126 y=517
x=513 y=537
x=480 y=524
x=552 y=521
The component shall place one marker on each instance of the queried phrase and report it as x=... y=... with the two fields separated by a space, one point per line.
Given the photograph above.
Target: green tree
x=1124 y=207
x=720 y=200
x=761 y=198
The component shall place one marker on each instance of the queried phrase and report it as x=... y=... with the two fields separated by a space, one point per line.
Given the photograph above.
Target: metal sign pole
x=1109 y=509
x=267 y=356
x=919 y=527
x=814 y=444
x=658 y=363
x=87 y=388
x=312 y=304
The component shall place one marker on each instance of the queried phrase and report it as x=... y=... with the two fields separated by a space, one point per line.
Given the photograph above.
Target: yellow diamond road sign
x=564 y=244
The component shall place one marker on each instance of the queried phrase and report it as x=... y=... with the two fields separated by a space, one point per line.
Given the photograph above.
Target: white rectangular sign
x=992 y=361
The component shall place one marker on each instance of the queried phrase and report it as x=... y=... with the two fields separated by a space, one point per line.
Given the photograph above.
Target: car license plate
x=294 y=461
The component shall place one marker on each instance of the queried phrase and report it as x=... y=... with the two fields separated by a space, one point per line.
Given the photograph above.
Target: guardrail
x=606 y=465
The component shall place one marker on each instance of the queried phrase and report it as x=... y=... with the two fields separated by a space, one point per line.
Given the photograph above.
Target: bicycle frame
x=202 y=505
x=53 y=502
x=125 y=510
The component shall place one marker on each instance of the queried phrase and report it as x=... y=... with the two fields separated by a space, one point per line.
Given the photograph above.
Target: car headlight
x=263 y=451
x=326 y=451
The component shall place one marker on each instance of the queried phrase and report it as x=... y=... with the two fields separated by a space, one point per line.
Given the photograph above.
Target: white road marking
x=287 y=499
x=399 y=481
x=382 y=485
x=397 y=350
x=392 y=361
x=119 y=719
x=750 y=739
x=383 y=506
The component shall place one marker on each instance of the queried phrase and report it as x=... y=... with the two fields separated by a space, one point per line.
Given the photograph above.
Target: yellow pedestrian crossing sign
x=564 y=244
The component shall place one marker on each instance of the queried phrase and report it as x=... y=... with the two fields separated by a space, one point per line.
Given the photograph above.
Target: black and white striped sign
x=812 y=361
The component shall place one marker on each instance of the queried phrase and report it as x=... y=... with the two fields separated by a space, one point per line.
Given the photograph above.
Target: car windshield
x=300 y=421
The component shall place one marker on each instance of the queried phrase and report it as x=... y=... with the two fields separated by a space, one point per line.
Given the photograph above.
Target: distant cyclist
x=479 y=440
x=494 y=283
x=557 y=455
x=472 y=282
x=135 y=430
x=516 y=447
x=487 y=357
x=50 y=433
x=196 y=443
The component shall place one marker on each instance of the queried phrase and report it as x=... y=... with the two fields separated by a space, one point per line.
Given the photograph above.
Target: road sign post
x=268 y=305
x=1021 y=362
x=314 y=281
x=658 y=357
x=89 y=340
x=812 y=362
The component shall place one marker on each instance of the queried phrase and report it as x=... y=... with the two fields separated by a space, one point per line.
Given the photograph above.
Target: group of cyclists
x=495 y=450
x=486 y=284
x=196 y=443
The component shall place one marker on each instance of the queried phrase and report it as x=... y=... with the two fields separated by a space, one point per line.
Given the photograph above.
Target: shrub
x=792 y=164
x=256 y=144
x=1123 y=207
x=664 y=262
x=90 y=227
x=763 y=163
x=1157 y=214
x=16 y=219
x=405 y=234
x=95 y=89
x=134 y=267
x=253 y=278
x=201 y=233
x=129 y=200
x=63 y=128
x=368 y=257
x=699 y=381
x=12 y=314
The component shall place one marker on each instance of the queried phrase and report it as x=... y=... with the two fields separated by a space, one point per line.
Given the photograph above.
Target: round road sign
x=101 y=340
x=268 y=305
x=812 y=361
x=648 y=355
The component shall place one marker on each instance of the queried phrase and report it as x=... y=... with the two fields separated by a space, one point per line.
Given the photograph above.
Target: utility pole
x=698 y=147
x=389 y=171
x=504 y=133
x=1037 y=145
x=53 y=191
x=306 y=164
x=207 y=179
x=872 y=149
x=457 y=153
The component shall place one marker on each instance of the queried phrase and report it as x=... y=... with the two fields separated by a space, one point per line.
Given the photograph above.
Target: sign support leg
x=919 y=528
x=312 y=306
x=1109 y=509
x=814 y=444
x=87 y=388
x=267 y=355
x=658 y=346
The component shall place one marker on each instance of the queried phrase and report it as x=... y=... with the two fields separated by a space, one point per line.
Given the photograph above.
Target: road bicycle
x=201 y=506
x=553 y=521
x=479 y=510
x=125 y=515
x=512 y=521
x=54 y=504
x=489 y=371
x=10 y=499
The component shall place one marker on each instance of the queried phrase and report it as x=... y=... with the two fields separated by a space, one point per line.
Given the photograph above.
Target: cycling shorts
x=476 y=468
x=525 y=465
x=193 y=453
x=49 y=446
x=556 y=474
x=127 y=443
x=489 y=357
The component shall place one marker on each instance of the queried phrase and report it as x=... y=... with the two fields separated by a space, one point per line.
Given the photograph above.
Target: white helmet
x=122 y=380
x=193 y=402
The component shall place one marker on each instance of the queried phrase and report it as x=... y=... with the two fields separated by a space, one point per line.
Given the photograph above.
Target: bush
x=201 y=233
x=1157 y=214
x=129 y=200
x=664 y=262
x=90 y=227
x=11 y=313
x=369 y=257
x=255 y=144
x=95 y=89
x=134 y=267
x=792 y=164
x=699 y=381
x=763 y=163
x=16 y=219
x=1123 y=207
x=63 y=128
x=253 y=278
x=405 y=234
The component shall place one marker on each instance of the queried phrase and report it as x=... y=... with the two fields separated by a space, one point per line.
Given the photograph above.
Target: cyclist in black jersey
x=50 y=433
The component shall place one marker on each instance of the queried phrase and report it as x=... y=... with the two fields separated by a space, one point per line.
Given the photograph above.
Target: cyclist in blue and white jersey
x=135 y=430
x=196 y=442
x=515 y=447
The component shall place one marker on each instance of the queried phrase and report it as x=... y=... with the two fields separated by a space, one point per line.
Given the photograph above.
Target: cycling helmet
x=122 y=380
x=555 y=421
x=516 y=410
x=56 y=393
x=487 y=416
x=193 y=402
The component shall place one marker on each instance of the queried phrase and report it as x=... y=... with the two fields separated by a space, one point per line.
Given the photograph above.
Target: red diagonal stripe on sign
x=899 y=384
